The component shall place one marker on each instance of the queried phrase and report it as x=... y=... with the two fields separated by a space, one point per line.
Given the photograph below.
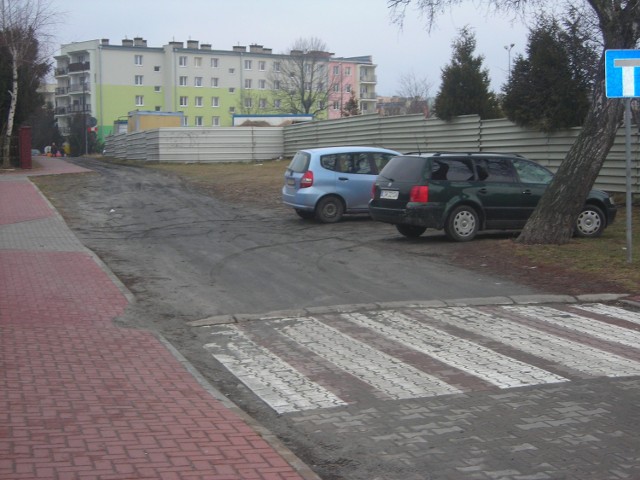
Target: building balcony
x=61 y=72
x=72 y=109
x=79 y=67
x=62 y=90
x=368 y=96
x=368 y=79
x=80 y=88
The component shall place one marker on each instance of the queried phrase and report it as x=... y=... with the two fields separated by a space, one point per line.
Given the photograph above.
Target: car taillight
x=419 y=193
x=307 y=179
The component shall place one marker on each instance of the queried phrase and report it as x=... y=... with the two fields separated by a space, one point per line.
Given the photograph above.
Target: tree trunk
x=6 y=148
x=553 y=221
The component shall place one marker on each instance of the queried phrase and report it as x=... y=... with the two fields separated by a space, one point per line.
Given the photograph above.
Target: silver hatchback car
x=325 y=183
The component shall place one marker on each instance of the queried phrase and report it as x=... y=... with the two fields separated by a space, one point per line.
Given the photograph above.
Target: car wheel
x=411 y=231
x=306 y=214
x=462 y=224
x=329 y=210
x=591 y=222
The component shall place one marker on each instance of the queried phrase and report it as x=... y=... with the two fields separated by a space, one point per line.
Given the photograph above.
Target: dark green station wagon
x=464 y=193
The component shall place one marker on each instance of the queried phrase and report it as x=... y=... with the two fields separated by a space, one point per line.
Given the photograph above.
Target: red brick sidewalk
x=83 y=399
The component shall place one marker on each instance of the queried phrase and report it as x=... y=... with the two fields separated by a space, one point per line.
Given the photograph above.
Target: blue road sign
x=622 y=73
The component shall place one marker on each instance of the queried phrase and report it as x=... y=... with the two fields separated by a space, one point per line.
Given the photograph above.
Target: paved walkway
x=83 y=399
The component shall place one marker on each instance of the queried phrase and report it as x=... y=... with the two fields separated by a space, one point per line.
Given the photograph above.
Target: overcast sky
x=348 y=28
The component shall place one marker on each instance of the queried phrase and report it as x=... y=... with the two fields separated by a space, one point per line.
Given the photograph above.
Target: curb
x=462 y=302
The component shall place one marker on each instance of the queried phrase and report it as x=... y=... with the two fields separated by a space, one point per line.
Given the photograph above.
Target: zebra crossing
x=335 y=359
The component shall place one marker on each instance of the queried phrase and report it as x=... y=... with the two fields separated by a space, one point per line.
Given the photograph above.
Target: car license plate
x=291 y=182
x=389 y=194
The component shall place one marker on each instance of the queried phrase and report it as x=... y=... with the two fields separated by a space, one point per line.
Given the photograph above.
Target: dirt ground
x=498 y=254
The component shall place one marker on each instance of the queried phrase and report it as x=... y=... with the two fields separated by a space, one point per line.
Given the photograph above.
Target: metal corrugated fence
x=408 y=133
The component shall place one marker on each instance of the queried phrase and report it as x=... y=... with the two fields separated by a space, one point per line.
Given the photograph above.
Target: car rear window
x=405 y=169
x=300 y=162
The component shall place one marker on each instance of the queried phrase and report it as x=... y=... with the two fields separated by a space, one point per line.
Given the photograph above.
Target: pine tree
x=547 y=90
x=465 y=84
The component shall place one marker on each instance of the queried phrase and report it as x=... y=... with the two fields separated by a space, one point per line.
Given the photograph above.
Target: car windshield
x=404 y=169
x=300 y=162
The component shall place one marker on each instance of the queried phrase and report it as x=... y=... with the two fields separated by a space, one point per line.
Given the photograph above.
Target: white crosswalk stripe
x=611 y=311
x=594 y=328
x=463 y=343
x=577 y=356
x=382 y=371
x=493 y=367
x=279 y=385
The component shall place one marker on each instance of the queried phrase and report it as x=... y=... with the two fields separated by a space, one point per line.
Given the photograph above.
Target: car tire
x=306 y=214
x=591 y=222
x=329 y=210
x=411 y=231
x=462 y=224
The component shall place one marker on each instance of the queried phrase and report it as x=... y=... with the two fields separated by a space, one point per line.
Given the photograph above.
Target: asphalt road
x=187 y=257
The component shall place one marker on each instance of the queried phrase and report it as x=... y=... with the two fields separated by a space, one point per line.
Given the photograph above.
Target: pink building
x=347 y=76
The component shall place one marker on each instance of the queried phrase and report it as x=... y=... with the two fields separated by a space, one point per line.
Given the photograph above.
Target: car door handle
x=483 y=191
x=526 y=192
x=343 y=179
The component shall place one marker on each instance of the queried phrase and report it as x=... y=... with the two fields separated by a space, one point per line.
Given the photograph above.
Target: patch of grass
x=604 y=257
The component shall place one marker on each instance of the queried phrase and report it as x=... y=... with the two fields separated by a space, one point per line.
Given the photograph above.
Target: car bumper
x=300 y=199
x=422 y=216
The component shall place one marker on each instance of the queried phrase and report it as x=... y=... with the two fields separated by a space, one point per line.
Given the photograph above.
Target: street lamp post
x=508 y=49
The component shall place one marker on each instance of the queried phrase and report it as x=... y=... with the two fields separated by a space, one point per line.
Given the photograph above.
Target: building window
x=276 y=66
x=336 y=105
x=276 y=84
x=156 y=68
x=139 y=100
x=215 y=82
x=321 y=106
x=182 y=61
x=198 y=121
x=183 y=81
x=262 y=65
x=277 y=103
x=157 y=88
x=198 y=101
x=247 y=64
x=215 y=101
x=184 y=101
x=137 y=59
x=248 y=102
x=232 y=90
x=336 y=87
x=197 y=82
x=215 y=121
x=232 y=109
x=247 y=83
x=158 y=108
x=347 y=71
x=138 y=80
x=262 y=103
x=185 y=121
x=336 y=70
x=262 y=84
x=214 y=62
x=347 y=88
x=232 y=71
x=197 y=62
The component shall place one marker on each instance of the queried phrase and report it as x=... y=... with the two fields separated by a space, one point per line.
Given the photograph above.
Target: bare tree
x=619 y=23
x=300 y=80
x=21 y=23
x=416 y=92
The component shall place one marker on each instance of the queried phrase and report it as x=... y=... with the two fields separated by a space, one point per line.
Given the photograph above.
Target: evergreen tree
x=465 y=84
x=548 y=90
x=351 y=107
